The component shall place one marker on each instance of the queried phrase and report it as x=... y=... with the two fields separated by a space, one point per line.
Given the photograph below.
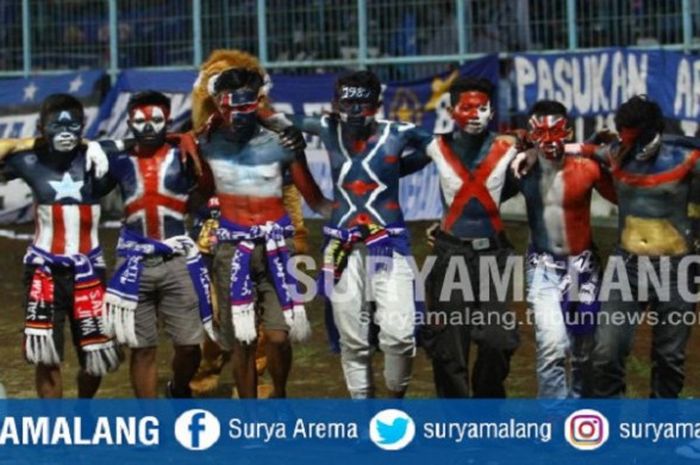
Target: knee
x=143 y=355
x=399 y=344
x=552 y=346
x=193 y=352
x=277 y=338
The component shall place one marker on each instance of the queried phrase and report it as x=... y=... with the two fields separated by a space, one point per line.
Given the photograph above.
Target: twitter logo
x=392 y=429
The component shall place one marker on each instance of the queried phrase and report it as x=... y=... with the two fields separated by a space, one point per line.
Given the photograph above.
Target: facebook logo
x=197 y=429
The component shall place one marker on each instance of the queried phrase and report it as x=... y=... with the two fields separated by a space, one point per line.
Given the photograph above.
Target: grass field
x=316 y=371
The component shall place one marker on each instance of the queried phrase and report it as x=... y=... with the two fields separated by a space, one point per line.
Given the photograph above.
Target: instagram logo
x=586 y=429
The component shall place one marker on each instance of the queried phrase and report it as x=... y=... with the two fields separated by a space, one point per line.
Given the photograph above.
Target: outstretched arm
x=606 y=187
x=415 y=159
x=278 y=122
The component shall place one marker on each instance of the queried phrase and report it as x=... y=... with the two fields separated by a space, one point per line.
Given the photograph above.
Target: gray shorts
x=268 y=307
x=166 y=293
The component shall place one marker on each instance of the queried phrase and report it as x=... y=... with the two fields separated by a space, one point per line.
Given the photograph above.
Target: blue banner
x=348 y=432
x=595 y=83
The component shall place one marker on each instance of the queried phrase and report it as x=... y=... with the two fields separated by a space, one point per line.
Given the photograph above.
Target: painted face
x=647 y=144
x=472 y=112
x=148 y=123
x=357 y=106
x=64 y=129
x=629 y=136
x=357 y=113
x=238 y=109
x=550 y=133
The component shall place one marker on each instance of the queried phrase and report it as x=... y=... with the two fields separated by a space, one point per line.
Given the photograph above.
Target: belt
x=475 y=243
x=155 y=260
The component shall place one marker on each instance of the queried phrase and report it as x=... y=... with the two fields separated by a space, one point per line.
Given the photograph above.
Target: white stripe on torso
x=264 y=180
x=450 y=182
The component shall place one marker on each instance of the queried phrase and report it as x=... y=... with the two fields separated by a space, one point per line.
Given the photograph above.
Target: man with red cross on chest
x=474 y=177
x=159 y=274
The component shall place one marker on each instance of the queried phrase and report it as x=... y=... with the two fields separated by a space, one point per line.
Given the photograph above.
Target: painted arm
x=304 y=181
x=98 y=153
x=511 y=187
x=522 y=163
x=14 y=166
x=606 y=187
x=601 y=154
x=279 y=121
x=7 y=173
x=415 y=160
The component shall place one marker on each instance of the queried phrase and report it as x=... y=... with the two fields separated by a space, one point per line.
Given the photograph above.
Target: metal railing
x=401 y=39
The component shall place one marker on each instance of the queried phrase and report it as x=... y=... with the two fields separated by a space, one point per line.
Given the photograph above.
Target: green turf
x=316 y=372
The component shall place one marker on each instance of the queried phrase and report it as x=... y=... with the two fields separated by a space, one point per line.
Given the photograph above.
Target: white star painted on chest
x=66 y=188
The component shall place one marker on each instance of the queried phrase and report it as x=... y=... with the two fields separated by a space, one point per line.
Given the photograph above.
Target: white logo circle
x=392 y=429
x=586 y=429
x=197 y=429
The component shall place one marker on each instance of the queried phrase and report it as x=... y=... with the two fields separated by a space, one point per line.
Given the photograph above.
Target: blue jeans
x=554 y=342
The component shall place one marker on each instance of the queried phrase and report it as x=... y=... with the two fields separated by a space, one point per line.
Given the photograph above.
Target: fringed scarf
x=122 y=295
x=241 y=297
x=381 y=243
x=101 y=352
x=579 y=305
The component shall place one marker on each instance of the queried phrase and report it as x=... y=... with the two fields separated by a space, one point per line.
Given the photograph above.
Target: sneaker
x=171 y=394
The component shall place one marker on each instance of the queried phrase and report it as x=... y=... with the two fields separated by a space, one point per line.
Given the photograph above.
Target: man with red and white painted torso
x=473 y=165
x=557 y=189
x=248 y=165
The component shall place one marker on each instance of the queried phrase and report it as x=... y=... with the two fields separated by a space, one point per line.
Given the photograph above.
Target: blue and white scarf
x=122 y=295
x=241 y=293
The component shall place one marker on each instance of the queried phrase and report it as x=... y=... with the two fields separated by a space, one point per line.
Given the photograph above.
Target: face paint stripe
x=85 y=228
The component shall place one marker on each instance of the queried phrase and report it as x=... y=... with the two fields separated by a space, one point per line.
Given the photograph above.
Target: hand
x=292 y=138
x=325 y=209
x=604 y=136
x=189 y=151
x=431 y=233
x=522 y=163
x=96 y=158
x=522 y=142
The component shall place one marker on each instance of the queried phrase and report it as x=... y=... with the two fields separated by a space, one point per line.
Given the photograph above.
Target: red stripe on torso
x=652 y=180
x=85 y=244
x=579 y=176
